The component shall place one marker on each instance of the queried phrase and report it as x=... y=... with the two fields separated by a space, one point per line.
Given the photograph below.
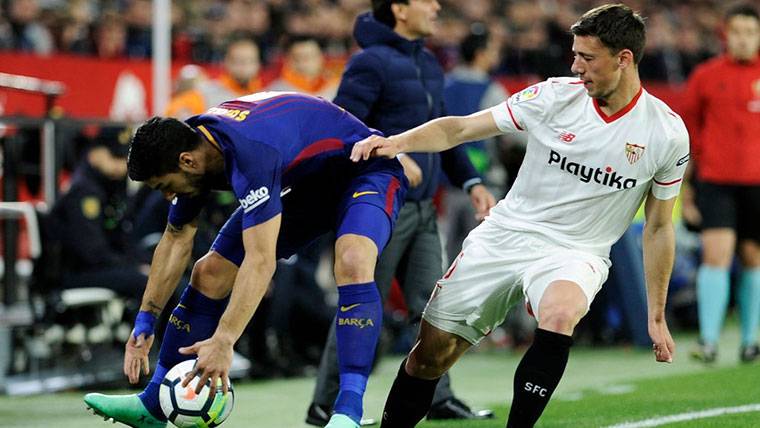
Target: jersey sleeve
x=524 y=109
x=185 y=209
x=256 y=182
x=666 y=183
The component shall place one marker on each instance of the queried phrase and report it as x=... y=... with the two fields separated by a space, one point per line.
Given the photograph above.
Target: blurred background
x=77 y=237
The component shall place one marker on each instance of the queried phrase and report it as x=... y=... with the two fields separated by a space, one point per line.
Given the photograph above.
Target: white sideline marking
x=709 y=413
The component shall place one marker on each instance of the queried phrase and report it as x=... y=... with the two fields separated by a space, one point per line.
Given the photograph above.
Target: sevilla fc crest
x=633 y=152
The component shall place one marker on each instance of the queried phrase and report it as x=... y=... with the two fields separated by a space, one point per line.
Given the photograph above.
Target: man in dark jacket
x=89 y=221
x=395 y=84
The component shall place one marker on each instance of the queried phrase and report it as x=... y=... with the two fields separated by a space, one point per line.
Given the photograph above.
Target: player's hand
x=136 y=356
x=374 y=146
x=412 y=171
x=482 y=200
x=663 y=345
x=214 y=361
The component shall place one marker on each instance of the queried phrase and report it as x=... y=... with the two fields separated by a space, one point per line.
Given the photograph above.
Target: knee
x=426 y=365
x=560 y=318
x=212 y=276
x=354 y=265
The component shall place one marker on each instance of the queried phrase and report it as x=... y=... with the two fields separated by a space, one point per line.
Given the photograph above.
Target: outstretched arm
x=169 y=262
x=659 y=253
x=434 y=136
x=251 y=282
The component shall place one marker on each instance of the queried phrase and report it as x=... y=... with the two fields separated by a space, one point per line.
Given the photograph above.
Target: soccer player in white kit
x=598 y=145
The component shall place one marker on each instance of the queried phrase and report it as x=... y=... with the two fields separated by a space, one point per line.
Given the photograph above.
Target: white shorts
x=497 y=268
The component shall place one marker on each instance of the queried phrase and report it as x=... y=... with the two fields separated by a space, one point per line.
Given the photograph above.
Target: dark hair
x=742 y=9
x=381 y=10
x=155 y=148
x=295 y=39
x=617 y=27
x=474 y=42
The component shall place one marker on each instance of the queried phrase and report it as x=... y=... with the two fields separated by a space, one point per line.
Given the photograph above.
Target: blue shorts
x=365 y=204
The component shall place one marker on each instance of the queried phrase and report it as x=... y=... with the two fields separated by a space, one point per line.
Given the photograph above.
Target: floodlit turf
x=602 y=388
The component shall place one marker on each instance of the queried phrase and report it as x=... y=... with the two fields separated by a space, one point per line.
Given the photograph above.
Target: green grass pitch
x=602 y=388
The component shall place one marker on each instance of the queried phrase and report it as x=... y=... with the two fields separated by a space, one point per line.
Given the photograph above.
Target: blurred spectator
x=138 y=17
x=28 y=32
x=393 y=85
x=468 y=89
x=240 y=77
x=90 y=225
x=73 y=33
x=538 y=45
x=722 y=112
x=304 y=69
x=110 y=37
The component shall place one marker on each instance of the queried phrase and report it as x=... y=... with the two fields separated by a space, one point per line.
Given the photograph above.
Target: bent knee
x=428 y=366
x=560 y=318
x=354 y=263
x=213 y=275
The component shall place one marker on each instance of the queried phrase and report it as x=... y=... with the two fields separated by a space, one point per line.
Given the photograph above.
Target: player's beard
x=203 y=183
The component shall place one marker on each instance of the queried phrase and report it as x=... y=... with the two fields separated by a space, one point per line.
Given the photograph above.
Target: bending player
x=598 y=145
x=286 y=157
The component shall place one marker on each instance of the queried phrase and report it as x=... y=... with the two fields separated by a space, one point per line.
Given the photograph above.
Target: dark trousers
x=413 y=256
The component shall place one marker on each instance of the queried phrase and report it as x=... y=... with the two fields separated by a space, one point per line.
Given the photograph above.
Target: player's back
x=299 y=132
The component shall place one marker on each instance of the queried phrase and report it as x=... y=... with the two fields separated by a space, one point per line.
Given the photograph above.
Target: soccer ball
x=186 y=409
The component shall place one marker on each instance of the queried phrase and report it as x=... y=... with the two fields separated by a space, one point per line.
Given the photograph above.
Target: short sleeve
x=256 y=182
x=524 y=109
x=185 y=209
x=668 y=178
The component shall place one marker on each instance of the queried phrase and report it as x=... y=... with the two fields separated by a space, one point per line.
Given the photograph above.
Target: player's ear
x=625 y=58
x=188 y=162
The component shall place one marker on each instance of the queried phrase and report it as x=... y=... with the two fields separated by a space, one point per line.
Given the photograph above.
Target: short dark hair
x=297 y=38
x=473 y=43
x=742 y=9
x=155 y=148
x=381 y=10
x=617 y=26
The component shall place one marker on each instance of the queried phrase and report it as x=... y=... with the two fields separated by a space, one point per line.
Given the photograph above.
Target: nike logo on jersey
x=357 y=194
x=349 y=307
x=683 y=160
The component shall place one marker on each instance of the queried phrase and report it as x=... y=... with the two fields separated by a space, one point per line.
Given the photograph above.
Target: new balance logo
x=349 y=307
x=586 y=174
x=357 y=194
x=566 y=137
x=254 y=198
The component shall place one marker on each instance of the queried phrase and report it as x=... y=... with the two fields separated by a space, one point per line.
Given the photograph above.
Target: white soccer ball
x=186 y=409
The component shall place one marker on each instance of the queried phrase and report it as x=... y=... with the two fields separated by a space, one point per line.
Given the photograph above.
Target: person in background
x=723 y=116
x=90 y=224
x=304 y=69
x=240 y=77
x=393 y=85
x=470 y=88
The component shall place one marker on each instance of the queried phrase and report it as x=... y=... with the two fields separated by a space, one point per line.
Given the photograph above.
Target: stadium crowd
x=533 y=33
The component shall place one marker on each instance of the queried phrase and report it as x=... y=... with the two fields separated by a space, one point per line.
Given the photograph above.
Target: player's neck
x=622 y=96
x=213 y=158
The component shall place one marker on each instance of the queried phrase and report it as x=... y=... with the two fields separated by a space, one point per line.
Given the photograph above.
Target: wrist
x=145 y=323
x=224 y=337
x=471 y=183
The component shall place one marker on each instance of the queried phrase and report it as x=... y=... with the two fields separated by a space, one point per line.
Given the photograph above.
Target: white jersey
x=585 y=174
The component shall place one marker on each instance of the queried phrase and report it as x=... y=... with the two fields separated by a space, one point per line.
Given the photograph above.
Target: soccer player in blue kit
x=286 y=157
